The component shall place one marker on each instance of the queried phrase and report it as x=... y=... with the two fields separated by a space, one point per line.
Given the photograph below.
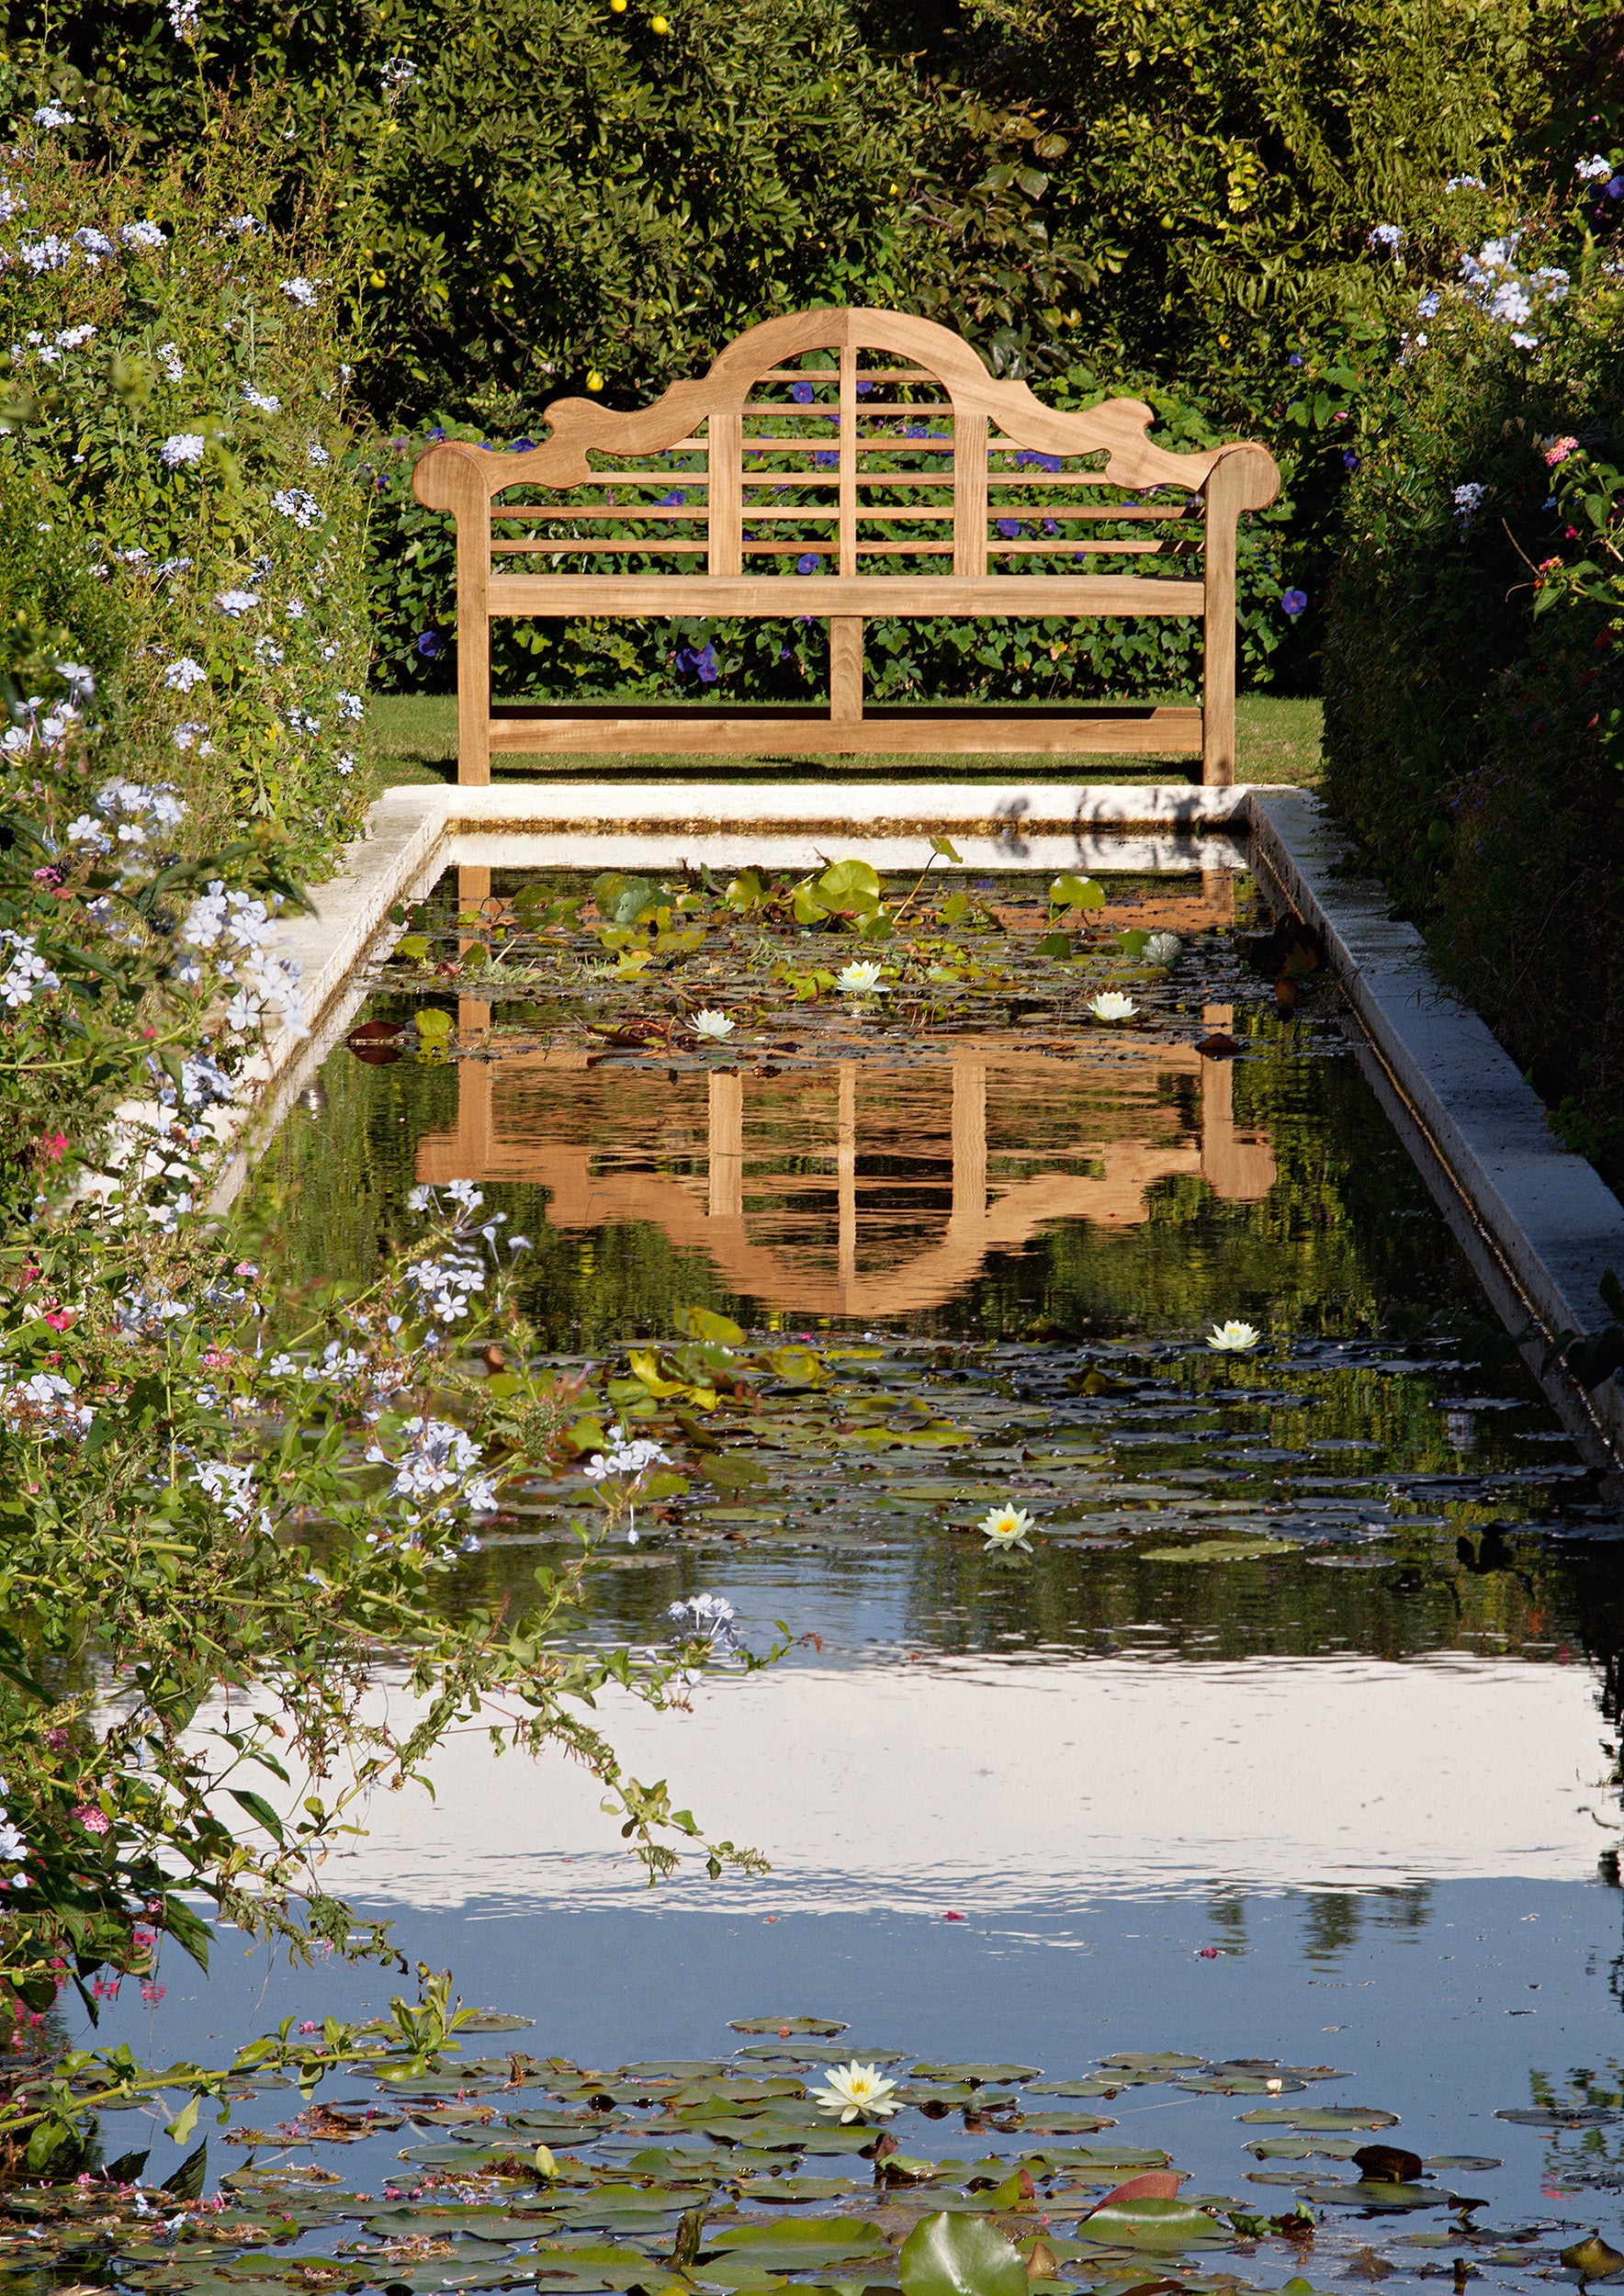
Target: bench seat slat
x=812 y=733
x=770 y=594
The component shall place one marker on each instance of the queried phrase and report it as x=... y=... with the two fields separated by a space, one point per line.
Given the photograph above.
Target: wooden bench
x=846 y=465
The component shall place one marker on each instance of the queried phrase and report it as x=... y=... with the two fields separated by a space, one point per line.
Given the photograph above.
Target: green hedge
x=1055 y=658
x=1474 y=693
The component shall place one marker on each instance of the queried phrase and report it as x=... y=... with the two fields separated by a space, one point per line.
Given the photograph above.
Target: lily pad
x=1152 y=2061
x=794 y=2192
x=1222 y=1550
x=1065 y=2123
x=1334 y=2118
x=960 y=2255
x=1560 y=2116
x=786 y=2026
x=793 y=2244
x=601 y=2266
x=493 y=2022
x=977 y=2075
x=1153 y=2224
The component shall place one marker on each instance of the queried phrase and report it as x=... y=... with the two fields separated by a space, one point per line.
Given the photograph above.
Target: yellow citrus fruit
x=594 y=381
x=659 y=23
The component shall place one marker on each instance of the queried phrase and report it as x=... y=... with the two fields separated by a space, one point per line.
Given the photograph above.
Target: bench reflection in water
x=856 y=1187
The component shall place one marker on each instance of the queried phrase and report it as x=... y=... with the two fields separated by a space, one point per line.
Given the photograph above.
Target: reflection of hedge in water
x=1346 y=1240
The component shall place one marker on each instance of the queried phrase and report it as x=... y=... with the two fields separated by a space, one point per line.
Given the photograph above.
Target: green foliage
x=1475 y=673
x=174 y=427
x=554 y=190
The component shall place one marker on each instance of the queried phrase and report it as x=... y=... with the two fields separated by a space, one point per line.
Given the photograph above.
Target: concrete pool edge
x=1553 y=1223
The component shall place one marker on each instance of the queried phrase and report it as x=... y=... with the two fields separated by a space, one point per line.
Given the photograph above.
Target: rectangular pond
x=1292 y=1738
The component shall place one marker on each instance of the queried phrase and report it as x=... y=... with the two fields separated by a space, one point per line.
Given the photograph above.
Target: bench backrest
x=844 y=444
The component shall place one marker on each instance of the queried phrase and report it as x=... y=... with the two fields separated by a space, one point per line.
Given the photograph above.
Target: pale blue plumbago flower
x=1235 y=1338
x=184 y=446
x=1111 y=1004
x=714 y=1025
x=856 y=2092
x=706 y=1618
x=860 y=980
x=1007 y=1526
x=627 y=1461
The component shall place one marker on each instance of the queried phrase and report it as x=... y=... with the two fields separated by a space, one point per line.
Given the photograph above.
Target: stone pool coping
x=1553 y=1224
x=1545 y=1219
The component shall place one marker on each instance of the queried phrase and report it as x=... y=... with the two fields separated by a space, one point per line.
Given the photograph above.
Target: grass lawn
x=414 y=739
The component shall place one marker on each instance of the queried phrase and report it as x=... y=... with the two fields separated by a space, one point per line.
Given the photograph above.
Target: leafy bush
x=176 y=407
x=1051 y=659
x=553 y=189
x=1475 y=678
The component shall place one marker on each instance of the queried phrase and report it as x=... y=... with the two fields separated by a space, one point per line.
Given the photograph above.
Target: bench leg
x=845 y=669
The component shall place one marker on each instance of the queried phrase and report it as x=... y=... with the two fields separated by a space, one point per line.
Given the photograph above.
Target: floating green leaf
x=948 y=2255
x=795 y=2242
x=1151 y=2223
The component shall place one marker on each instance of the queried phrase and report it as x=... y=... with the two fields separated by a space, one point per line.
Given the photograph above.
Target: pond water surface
x=1292 y=1740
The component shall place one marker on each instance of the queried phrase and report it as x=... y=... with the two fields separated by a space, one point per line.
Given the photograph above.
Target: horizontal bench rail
x=810 y=479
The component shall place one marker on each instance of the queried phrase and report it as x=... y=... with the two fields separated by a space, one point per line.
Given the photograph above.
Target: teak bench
x=845 y=464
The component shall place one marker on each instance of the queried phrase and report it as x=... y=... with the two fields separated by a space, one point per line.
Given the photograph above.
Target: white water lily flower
x=1007 y=1526
x=1111 y=1004
x=856 y=2092
x=1162 y=949
x=1234 y=1338
x=714 y=1025
x=858 y=980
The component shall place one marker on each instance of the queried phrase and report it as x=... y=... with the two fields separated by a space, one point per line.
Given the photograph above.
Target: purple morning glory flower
x=523 y=446
x=914 y=430
x=1294 y=602
x=1050 y=527
x=1615 y=190
x=1296 y=359
x=801 y=393
x=1349 y=459
x=428 y=644
x=827 y=461
x=673 y=500
x=783 y=653
x=808 y=562
x=437 y=433
x=1009 y=528
x=803 y=621
x=486 y=447
x=699 y=662
x=863 y=386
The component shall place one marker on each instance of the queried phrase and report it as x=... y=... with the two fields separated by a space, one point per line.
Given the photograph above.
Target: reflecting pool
x=1292 y=1737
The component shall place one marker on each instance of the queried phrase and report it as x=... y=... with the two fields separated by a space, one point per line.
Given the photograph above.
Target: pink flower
x=308 y=2027
x=94 y=1820
x=59 y=1319
x=150 y=1993
x=1557 y=451
x=52 y=1146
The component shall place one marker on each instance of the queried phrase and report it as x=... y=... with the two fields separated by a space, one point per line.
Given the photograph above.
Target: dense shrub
x=177 y=406
x=1052 y=658
x=1475 y=684
x=548 y=189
